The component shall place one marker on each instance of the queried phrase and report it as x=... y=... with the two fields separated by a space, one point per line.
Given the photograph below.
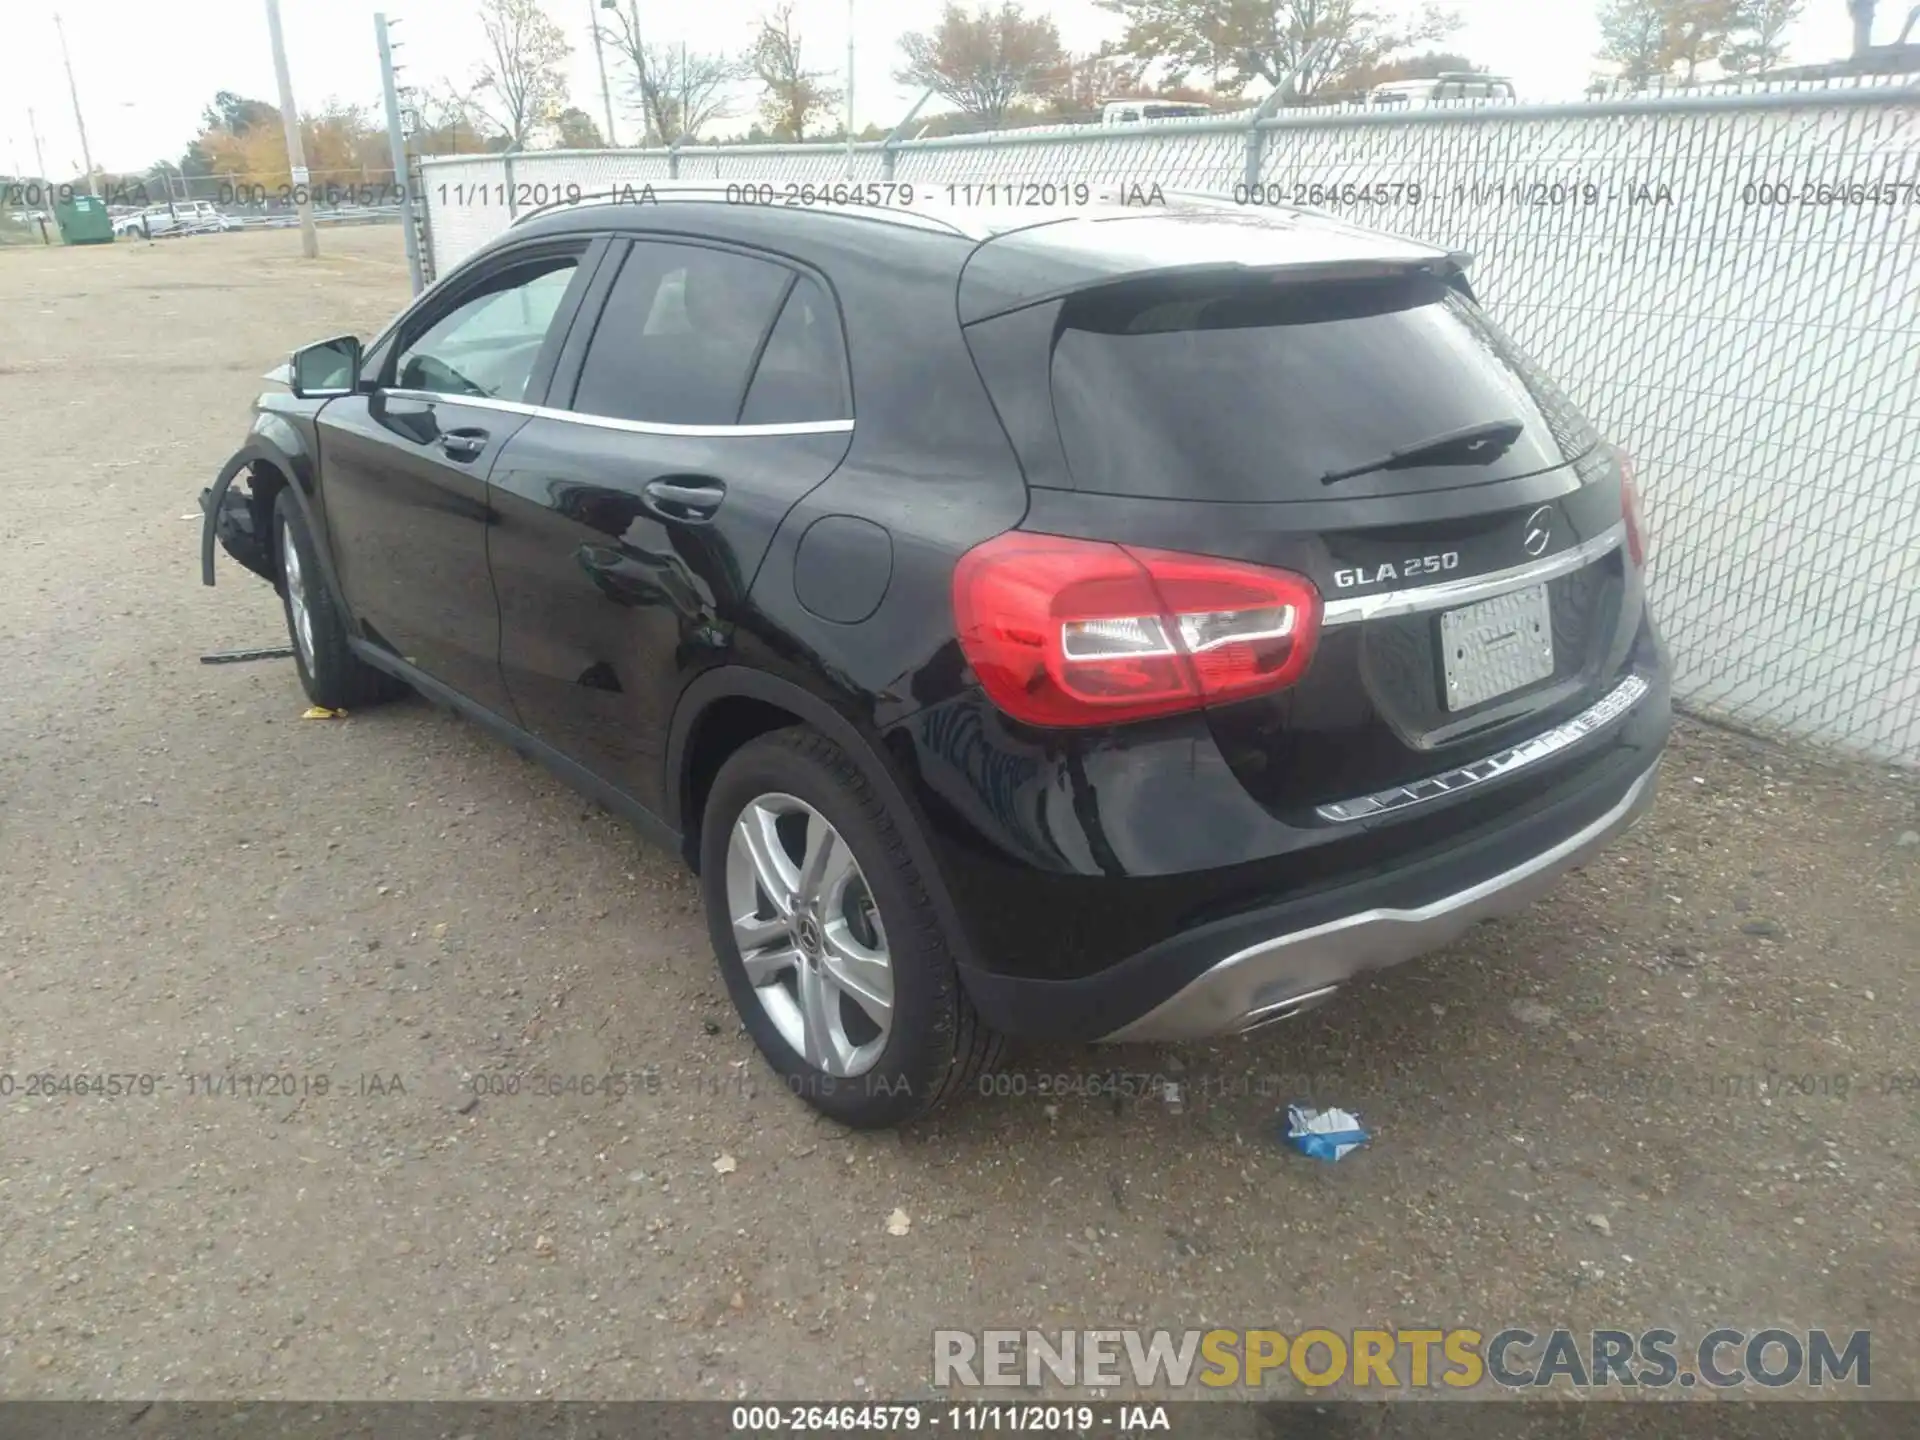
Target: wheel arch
x=728 y=707
x=271 y=469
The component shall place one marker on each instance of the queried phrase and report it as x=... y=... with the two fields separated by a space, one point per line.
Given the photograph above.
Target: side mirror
x=331 y=367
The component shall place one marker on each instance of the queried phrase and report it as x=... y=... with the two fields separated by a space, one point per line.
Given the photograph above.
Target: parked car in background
x=1450 y=85
x=1129 y=112
x=183 y=217
x=1114 y=624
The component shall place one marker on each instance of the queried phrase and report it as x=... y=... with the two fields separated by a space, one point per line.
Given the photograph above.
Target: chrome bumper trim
x=1614 y=704
x=1263 y=977
x=1449 y=593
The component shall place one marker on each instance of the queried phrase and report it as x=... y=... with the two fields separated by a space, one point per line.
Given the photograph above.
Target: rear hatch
x=1371 y=429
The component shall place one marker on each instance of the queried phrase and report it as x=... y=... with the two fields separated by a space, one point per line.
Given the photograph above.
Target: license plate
x=1496 y=646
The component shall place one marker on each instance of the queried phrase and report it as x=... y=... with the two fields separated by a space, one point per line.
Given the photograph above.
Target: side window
x=803 y=372
x=676 y=341
x=488 y=344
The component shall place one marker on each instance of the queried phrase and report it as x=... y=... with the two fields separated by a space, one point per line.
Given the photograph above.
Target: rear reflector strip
x=1618 y=701
x=1449 y=593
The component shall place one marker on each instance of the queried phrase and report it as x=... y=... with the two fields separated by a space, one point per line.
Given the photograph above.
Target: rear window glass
x=1260 y=393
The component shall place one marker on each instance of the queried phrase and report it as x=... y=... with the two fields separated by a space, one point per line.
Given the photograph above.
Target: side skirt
x=650 y=825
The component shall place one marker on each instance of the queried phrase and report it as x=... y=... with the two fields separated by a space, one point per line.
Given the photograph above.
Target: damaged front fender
x=228 y=515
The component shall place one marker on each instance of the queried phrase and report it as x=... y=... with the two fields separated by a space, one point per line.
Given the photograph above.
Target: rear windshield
x=1261 y=393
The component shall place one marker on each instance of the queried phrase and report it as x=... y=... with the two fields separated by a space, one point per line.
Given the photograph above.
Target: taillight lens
x=1630 y=511
x=1068 y=632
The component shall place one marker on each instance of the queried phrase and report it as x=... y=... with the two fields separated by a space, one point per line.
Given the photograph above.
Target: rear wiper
x=1474 y=445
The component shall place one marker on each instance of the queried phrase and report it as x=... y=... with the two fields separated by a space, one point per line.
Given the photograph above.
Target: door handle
x=679 y=500
x=463 y=444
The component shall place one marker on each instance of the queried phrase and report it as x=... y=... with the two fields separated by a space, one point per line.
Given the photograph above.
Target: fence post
x=888 y=146
x=397 y=149
x=507 y=160
x=1288 y=87
x=673 y=161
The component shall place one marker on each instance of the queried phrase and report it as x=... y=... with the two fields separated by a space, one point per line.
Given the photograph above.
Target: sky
x=145 y=71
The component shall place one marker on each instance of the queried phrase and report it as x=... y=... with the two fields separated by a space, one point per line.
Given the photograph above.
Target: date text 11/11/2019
x=204 y=1084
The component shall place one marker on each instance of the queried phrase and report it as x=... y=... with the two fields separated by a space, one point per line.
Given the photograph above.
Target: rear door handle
x=463 y=444
x=678 y=500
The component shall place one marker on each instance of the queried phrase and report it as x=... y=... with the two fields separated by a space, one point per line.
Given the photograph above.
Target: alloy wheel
x=297 y=605
x=810 y=934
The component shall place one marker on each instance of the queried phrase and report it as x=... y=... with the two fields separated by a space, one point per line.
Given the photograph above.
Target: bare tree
x=985 y=61
x=675 y=90
x=447 y=120
x=523 y=83
x=793 y=94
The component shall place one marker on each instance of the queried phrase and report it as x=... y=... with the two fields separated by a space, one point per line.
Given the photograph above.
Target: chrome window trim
x=634 y=427
x=1611 y=707
x=1449 y=593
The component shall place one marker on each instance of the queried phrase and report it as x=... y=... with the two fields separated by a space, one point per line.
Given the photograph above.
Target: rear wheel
x=833 y=954
x=330 y=673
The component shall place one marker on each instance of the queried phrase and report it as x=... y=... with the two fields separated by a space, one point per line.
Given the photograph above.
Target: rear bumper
x=1289 y=971
x=1278 y=952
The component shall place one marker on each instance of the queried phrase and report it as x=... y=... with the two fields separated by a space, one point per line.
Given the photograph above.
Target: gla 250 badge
x=1410 y=569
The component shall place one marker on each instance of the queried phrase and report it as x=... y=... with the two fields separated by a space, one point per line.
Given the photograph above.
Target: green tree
x=1698 y=31
x=1425 y=66
x=1651 y=39
x=1633 y=35
x=985 y=61
x=577 y=130
x=1322 y=42
x=236 y=114
x=1758 y=39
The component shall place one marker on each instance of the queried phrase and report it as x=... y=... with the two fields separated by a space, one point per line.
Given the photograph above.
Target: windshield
x=1259 y=393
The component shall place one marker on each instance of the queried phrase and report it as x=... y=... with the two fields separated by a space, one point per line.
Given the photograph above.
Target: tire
x=331 y=674
x=934 y=1045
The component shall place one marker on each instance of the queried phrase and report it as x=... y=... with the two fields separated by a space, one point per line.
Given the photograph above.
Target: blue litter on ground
x=1324 y=1134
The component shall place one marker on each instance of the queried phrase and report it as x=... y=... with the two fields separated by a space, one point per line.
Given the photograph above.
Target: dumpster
x=83 y=220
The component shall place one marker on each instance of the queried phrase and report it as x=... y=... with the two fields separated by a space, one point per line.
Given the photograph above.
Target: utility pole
x=39 y=160
x=86 y=155
x=397 y=144
x=640 y=73
x=600 y=59
x=42 y=202
x=850 y=5
x=296 y=148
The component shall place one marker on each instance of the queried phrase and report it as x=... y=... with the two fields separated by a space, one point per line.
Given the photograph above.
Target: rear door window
x=679 y=335
x=803 y=372
x=1259 y=393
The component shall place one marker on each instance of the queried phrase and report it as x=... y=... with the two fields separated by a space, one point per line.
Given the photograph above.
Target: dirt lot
x=1682 y=1092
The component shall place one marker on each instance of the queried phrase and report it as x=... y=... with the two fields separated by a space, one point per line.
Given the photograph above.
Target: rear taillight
x=1083 y=632
x=1630 y=511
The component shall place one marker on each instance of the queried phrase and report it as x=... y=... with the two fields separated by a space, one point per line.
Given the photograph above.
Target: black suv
x=1121 y=624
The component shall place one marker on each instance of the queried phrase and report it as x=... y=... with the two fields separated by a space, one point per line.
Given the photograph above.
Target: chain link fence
x=1728 y=283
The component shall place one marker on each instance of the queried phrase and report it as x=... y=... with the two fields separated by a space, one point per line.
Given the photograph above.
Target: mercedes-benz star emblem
x=1539 y=531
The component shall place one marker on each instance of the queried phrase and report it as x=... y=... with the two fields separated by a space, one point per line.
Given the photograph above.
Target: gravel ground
x=1679 y=1092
